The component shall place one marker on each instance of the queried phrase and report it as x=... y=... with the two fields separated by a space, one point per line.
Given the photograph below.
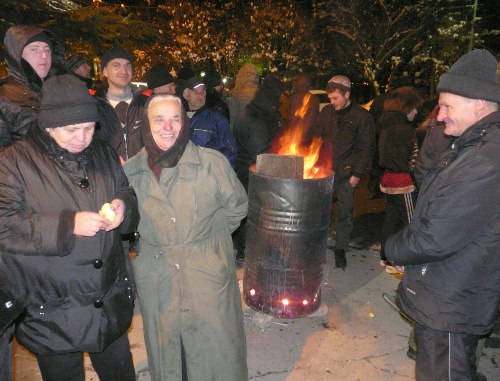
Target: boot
x=340 y=260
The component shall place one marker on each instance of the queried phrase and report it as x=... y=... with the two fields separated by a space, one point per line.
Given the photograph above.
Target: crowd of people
x=89 y=170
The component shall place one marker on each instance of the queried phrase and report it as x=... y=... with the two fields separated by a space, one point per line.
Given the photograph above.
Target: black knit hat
x=75 y=61
x=212 y=78
x=116 y=52
x=66 y=101
x=43 y=37
x=474 y=75
x=274 y=84
x=158 y=76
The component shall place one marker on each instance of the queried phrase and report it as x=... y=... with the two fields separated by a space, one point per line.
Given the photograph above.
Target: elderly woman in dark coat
x=60 y=254
x=190 y=201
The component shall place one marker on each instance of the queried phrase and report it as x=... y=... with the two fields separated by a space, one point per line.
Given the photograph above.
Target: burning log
x=287 y=166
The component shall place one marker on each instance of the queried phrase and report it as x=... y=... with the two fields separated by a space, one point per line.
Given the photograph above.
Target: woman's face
x=74 y=138
x=165 y=122
x=412 y=115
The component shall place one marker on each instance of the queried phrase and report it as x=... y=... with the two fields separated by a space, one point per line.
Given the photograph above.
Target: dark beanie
x=43 y=37
x=212 y=78
x=158 y=76
x=75 y=61
x=116 y=52
x=474 y=75
x=66 y=101
x=274 y=84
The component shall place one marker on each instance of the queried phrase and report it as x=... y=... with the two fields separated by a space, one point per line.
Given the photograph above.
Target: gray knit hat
x=474 y=75
x=66 y=101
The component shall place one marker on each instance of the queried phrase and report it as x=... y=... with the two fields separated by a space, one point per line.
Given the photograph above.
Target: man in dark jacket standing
x=347 y=130
x=209 y=128
x=121 y=105
x=62 y=253
x=254 y=130
x=32 y=55
x=450 y=251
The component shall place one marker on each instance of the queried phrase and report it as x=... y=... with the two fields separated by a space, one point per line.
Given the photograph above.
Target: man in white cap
x=450 y=250
x=348 y=134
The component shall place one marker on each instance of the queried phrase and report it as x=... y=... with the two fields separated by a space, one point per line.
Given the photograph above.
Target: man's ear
x=347 y=94
x=105 y=72
x=479 y=105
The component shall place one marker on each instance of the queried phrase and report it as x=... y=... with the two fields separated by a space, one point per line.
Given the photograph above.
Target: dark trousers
x=398 y=213
x=345 y=196
x=6 y=338
x=112 y=364
x=445 y=356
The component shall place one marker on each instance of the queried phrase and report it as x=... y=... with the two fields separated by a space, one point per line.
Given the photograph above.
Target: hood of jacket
x=14 y=42
x=393 y=118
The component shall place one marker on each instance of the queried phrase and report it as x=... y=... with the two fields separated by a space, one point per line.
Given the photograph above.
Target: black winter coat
x=451 y=248
x=126 y=140
x=21 y=89
x=254 y=131
x=79 y=289
x=349 y=135
x=397 y=145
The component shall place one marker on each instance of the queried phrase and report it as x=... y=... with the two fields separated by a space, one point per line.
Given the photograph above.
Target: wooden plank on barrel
x=286 y=166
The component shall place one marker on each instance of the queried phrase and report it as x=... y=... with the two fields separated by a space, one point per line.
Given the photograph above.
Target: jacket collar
x=188 y=164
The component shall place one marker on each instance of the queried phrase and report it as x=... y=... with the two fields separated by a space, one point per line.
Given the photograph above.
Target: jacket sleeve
x=22 y=229
x=125 y=193
x=365 y=143
x=233 y=197
x=466 y=201
x=435 y=144
x=5 y=133
x=226 y=140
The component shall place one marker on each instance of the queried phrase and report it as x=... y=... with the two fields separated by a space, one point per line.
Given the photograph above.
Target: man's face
x=83 y=70
x=119 y=74
x=338 y=100
x=165 y=122
x=74 y=138
x=196 y=97
x=458 y=113
x=38 y=55
x=169 y=88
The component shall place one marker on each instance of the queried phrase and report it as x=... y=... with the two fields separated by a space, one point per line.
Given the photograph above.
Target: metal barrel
x=286 y=243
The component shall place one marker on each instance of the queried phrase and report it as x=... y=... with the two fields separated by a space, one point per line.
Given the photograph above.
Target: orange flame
x=290 y=143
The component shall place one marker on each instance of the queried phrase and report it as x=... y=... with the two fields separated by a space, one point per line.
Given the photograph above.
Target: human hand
x=87 y=224
x=117 y=206
x=354 y=181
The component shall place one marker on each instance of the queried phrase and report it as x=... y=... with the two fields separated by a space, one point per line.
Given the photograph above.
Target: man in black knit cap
x=451 y=281
x=121 y=106
x=32 y=55
x=160 y=81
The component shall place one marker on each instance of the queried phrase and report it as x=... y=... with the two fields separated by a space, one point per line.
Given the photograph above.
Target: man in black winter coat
x=347 y=130
x=32 y=55
x=121 y=104
x=451 y=281
x=254 y=131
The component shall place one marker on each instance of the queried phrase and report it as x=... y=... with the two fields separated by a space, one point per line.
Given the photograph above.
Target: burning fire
x=290 y=143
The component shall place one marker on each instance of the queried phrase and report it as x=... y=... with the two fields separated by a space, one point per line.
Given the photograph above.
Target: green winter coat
x=185 y=270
